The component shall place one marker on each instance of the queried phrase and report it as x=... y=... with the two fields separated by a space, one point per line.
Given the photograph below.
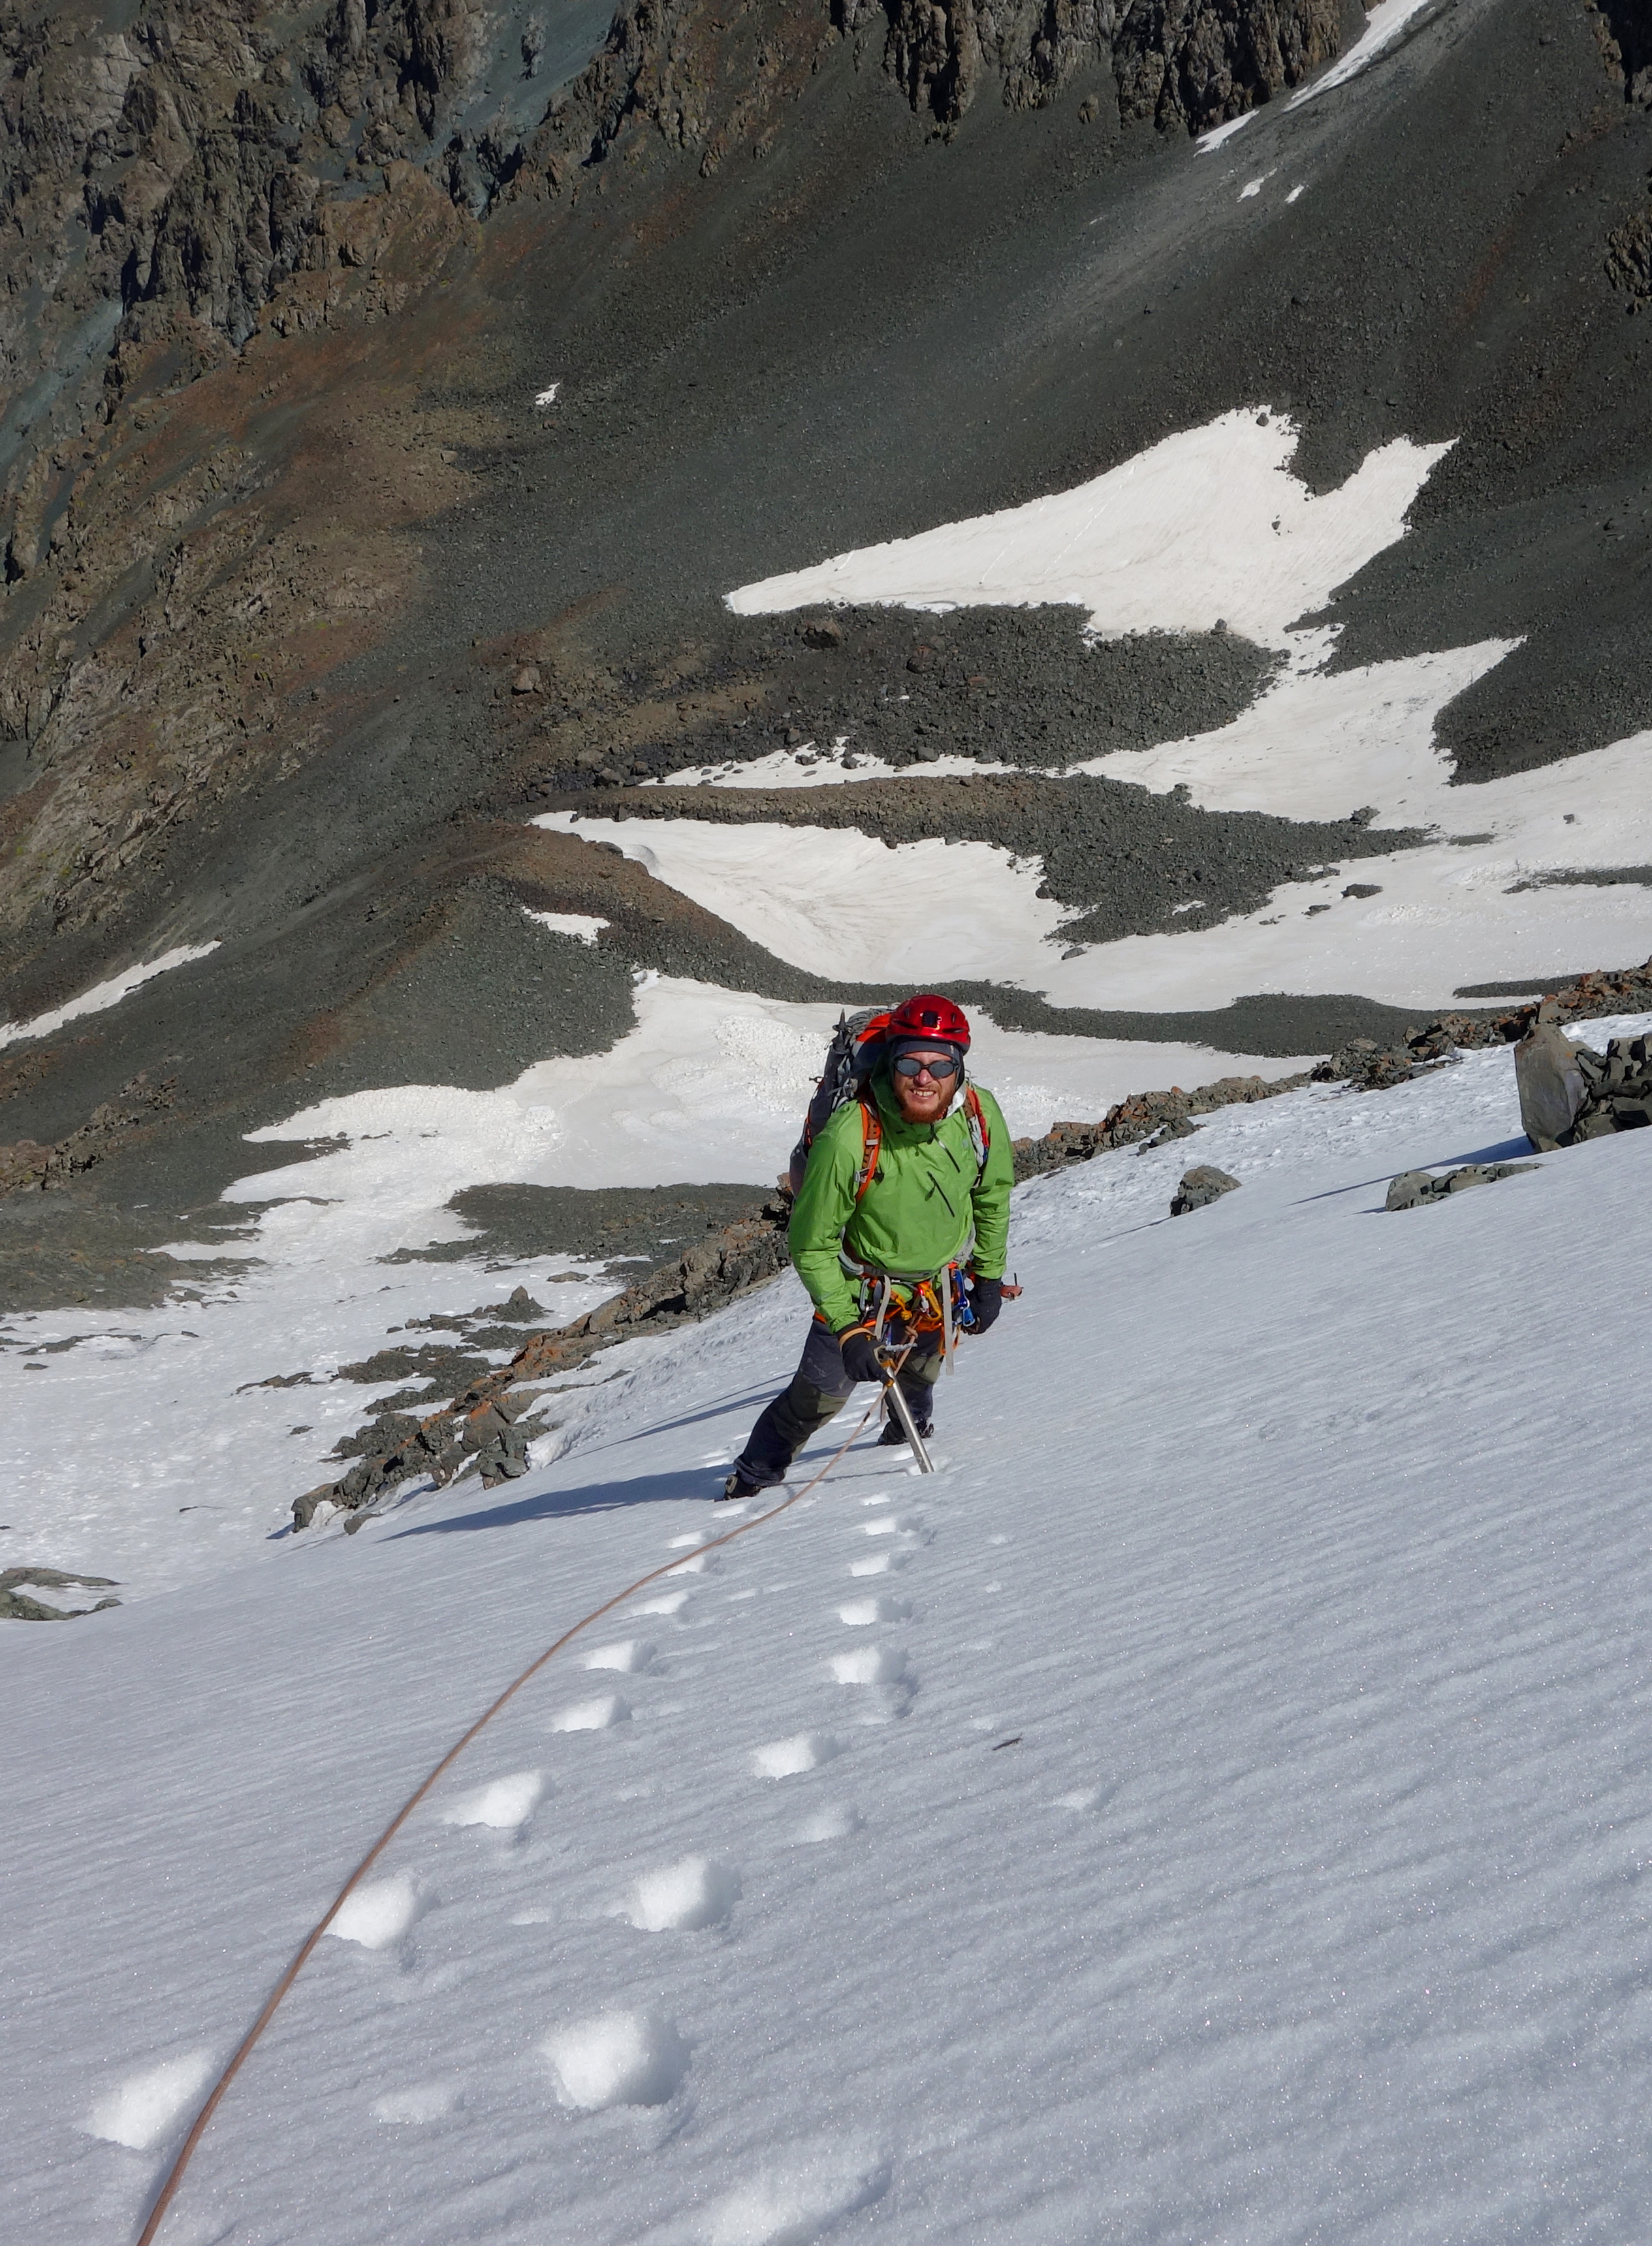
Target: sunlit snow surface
x=1383 y=25
x=1296 y=1547
x=1208 y=526
x=1211 y=525
x=181 y=1457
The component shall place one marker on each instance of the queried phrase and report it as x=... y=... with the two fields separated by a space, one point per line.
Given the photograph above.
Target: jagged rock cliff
x=197 y=191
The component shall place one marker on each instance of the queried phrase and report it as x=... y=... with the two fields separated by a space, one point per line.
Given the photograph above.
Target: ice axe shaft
x=897 y=1404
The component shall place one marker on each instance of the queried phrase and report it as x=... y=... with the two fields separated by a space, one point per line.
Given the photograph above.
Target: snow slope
x=1449 y=914
x=1213 y=1806
x=708 y=1086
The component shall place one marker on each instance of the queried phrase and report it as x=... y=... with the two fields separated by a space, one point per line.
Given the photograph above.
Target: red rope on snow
x=175 y=2174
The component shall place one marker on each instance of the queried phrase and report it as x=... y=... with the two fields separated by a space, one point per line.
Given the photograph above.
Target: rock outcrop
x=1372 y=1067
x=1419 y=1189
x=1186 y=65
x=17 y=1605
x=1142 y=1116
x=1200 y=1186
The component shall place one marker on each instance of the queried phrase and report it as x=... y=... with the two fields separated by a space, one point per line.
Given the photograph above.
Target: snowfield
x=1207 y=529
x=1213 y=1806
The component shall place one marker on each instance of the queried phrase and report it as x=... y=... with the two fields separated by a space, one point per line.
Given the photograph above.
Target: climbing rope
x=215 y=2096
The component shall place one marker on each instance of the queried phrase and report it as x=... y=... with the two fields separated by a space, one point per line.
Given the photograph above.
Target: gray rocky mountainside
x=307 y=600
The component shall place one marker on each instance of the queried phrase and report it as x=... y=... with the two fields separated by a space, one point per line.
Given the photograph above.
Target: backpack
x=851 y=1057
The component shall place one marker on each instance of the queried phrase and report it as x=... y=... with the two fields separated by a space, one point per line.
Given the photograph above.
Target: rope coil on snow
x=175 y=2174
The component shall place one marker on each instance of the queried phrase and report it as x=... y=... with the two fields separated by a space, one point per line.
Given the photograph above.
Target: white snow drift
x=1206 y=527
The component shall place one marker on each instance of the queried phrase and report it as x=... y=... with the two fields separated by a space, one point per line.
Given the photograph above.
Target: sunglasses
x=914 y=1064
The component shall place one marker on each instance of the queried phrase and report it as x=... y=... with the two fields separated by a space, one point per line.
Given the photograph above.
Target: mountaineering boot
x=736 y=1486
x=895 y=1433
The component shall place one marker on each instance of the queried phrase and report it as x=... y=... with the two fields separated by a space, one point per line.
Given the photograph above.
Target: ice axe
x=895 y=1402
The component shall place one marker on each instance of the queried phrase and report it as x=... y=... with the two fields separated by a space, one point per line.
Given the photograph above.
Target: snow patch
x=1209 y=524
x=1217 y=134
x=102 y=996
x=1383 y=25
x=957 y=904
x=839 y=766
x=710 y=1084
x=586 y=926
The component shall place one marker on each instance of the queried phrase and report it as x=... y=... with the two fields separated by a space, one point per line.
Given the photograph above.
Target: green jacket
x=918 y=1213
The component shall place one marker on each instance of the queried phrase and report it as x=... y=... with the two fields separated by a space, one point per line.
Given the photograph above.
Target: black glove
x=860 y=1358
x=986 y=1300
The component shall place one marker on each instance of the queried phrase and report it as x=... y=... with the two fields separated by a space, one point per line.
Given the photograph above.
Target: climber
x=899 y=1230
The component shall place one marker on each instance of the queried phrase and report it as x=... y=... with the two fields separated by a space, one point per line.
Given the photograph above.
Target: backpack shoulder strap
x=980 y=1136
x=871 y=1147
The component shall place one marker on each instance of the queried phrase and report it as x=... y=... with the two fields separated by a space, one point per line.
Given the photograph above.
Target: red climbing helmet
x=929 y=1015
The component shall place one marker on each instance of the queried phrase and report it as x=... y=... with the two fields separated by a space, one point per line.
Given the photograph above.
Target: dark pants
x=819 y=1390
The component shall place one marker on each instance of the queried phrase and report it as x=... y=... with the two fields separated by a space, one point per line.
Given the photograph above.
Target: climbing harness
x=215 y=2096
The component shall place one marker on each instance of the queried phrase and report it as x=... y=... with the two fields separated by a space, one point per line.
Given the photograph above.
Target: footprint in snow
x=1087 y=1797
x=622 y=2058
x=681 y=1898
x=795 y=2199
x=870 y=1664
x=665 y=1602
x=789 y=1757
x=378 y=1914
x=598 y=1715
x=628 y=1657
x=859 y=1613
x=883 y=1667
x=835 y=1822
x=877 y=1564
x=140 y=2111
x=505 y=1805
x=425 y=2101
